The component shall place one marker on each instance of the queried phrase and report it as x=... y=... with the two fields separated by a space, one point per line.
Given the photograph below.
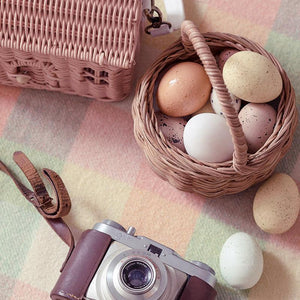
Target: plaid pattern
x=91 y=145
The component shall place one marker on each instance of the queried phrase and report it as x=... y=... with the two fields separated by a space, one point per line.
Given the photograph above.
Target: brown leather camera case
x=82 y=265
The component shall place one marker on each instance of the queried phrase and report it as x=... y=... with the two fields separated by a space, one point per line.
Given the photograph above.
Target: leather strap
x=51 y=210
x=43 y=201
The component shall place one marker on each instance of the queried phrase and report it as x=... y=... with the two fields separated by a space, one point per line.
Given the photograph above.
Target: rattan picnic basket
x=82 y=47
x=180 y=169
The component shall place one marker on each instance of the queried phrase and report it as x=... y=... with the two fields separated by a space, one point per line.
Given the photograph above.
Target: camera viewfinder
x=155 y=250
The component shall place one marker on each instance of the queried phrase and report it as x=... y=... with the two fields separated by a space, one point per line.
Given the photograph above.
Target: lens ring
x=112 y=286
x=137 y=275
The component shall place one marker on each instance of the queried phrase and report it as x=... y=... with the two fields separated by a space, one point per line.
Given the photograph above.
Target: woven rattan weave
x=177 y=167
x=84 y=47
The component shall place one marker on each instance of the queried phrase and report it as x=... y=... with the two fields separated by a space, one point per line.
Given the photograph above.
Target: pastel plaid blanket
x=91 y=145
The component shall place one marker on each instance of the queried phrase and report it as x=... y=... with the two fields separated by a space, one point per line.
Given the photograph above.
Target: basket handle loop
x=192 y=40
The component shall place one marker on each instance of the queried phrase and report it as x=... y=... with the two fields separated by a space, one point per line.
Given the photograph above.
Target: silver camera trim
x=171 y=285
x=114 y=282
x=167 y=255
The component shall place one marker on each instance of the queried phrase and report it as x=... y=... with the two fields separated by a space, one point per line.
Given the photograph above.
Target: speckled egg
x=276 y=204
x=257 y=122
x=183 y=89
x=216 y=105
x=241 y=261
x=224 y=55
x=172 y=128
x=252 y=77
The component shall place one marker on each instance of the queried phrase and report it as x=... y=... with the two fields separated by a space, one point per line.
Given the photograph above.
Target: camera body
x=112 y=263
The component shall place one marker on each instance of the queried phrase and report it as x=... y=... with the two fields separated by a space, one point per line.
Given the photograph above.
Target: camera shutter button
x=131 y=231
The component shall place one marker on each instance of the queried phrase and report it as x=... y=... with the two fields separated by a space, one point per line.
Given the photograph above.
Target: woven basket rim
x=185 y=172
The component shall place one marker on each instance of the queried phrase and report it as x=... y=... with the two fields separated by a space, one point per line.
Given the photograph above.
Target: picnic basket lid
x=103 y=31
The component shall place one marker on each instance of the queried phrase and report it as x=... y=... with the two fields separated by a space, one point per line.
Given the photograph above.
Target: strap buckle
x=39 y=204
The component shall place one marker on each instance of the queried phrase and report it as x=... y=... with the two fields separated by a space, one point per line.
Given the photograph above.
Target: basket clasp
x=154 y=16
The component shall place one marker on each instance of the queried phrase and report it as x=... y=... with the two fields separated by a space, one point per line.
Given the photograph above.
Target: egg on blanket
x=172 y=129
x=258 y=121
x=207 y=138
x=241 y=261
x=276 y=204
x=217 y=106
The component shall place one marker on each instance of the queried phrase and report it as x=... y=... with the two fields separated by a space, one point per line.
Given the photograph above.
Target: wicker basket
x=82 y=47
x=180 y=169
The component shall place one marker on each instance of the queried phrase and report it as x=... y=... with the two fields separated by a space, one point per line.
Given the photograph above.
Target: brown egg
x=276 y=204
x=183 y=90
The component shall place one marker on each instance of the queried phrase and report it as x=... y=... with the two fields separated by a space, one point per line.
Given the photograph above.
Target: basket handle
x=191 y=37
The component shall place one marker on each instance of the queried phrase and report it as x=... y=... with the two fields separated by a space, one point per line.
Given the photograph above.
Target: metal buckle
x=154 y=16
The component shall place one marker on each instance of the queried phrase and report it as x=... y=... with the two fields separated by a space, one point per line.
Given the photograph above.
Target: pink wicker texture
x=83 y=47
x=185 y=172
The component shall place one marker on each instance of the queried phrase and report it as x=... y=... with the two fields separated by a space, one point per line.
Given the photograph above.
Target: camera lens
x=137 y=275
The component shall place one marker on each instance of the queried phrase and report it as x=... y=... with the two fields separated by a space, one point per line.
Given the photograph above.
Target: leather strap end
x=62 y=195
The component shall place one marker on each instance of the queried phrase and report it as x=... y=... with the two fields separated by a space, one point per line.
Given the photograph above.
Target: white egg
x=217 y=106
x=207 y=137
x=241 y=261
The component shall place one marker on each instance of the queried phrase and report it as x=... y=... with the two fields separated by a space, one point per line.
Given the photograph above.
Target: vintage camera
x=112 y=263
